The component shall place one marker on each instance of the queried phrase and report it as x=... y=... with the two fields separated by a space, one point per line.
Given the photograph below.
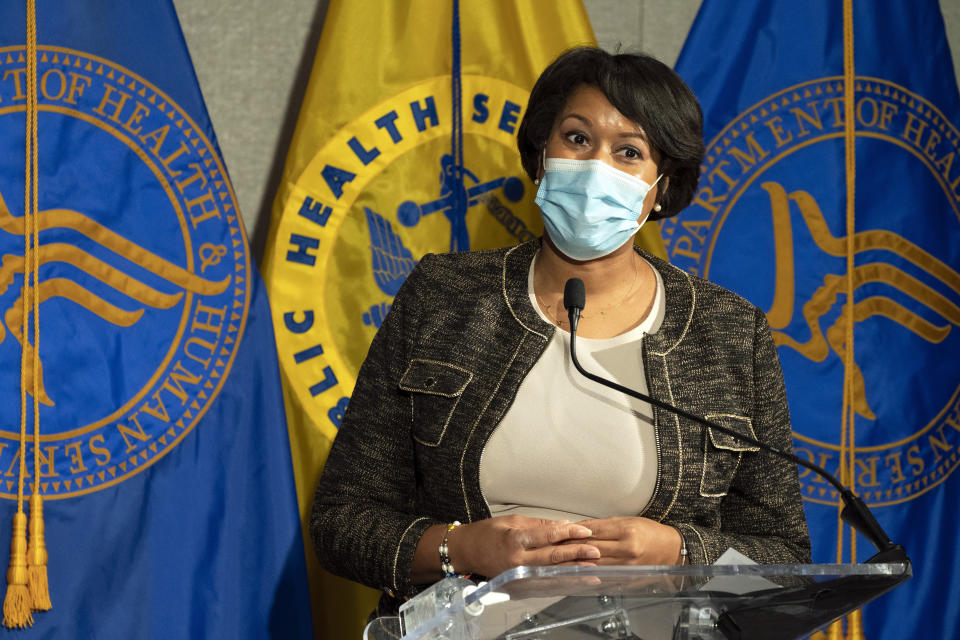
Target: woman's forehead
x=589 y=105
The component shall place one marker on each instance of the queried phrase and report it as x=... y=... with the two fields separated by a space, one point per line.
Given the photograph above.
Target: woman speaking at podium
x=471 y=444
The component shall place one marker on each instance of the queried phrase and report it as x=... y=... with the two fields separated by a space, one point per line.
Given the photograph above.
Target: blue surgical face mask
x=589 y=208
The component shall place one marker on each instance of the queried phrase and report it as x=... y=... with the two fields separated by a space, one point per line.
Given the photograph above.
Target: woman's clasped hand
x=491 y=546
x=633 y=540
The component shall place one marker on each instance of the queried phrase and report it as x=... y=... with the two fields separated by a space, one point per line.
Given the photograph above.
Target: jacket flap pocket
x=437 y=378
x=737 y=424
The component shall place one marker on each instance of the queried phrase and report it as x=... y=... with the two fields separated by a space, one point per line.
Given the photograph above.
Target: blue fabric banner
x=770 y=221
x=165 y=462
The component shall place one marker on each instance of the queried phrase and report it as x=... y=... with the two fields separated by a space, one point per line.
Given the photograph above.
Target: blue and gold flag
x=830 y=197
x=163 y=458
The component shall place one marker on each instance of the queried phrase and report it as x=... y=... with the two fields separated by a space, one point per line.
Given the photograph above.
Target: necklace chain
x=601 y=311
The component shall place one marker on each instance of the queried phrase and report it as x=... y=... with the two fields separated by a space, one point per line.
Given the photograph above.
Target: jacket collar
x=516 y=269
x=680 y=300
x=679 y=297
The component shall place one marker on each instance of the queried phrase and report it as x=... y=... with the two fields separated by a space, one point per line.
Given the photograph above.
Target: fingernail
x=582 y=530
x=592 y=553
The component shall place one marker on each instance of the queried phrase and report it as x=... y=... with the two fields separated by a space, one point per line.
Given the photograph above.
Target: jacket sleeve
x=363 y=523
x=762 y=514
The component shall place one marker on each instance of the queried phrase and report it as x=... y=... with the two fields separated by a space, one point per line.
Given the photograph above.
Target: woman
x=467 y=409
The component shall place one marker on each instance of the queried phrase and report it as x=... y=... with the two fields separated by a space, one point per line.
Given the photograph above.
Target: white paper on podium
x=737 y=584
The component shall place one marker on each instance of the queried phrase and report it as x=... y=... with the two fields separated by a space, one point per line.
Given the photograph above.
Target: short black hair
x=644 y=90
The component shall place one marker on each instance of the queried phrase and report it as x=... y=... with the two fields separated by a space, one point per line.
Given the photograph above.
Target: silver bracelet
x=684 y=559
x=683 y=546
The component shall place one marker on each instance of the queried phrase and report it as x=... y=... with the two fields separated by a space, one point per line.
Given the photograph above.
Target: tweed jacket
x=445 y=367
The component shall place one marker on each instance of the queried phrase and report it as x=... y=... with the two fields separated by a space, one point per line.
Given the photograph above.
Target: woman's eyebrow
x=640 y=135
x=625 y=134
x=584 y=119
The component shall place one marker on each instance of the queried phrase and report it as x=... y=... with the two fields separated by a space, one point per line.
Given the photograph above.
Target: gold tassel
x=835 y=630
x=37 y=558
x=16 y=604
x=855 y=625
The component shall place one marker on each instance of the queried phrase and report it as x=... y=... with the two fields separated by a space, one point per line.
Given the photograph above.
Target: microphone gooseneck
x=855 y=511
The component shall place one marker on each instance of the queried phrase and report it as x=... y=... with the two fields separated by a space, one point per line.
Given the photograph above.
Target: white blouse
x=570 y=448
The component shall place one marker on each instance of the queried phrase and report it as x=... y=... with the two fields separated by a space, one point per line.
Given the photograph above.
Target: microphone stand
x=855 y=511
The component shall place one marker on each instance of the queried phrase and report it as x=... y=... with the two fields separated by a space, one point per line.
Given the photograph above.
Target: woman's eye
x=630 y=152
x=577 y=138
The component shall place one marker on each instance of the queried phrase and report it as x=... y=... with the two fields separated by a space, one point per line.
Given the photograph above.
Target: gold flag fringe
x=16 y=604
x=855 y=625
x=27 y=586
x=835 y=630
x=37 y=558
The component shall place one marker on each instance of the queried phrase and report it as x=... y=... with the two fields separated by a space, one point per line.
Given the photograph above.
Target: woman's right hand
x=490 y=547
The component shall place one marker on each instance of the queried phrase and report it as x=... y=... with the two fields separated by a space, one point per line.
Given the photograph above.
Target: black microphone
x=855 y=511
x=574 y=299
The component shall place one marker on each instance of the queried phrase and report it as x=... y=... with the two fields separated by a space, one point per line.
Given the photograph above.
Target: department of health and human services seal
x=768 y=222
x=401 y=180
x=144 y=272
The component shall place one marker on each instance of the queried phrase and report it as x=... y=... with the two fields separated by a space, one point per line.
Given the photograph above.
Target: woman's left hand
x=633 y=540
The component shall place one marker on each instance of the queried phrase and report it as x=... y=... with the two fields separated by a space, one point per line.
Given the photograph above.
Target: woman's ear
x=542 y=161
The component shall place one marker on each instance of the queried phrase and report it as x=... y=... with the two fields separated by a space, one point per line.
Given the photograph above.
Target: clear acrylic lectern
x=715 y=602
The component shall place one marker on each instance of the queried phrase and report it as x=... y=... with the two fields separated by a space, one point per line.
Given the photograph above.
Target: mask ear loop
x=543 y=163
x=657 y=206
